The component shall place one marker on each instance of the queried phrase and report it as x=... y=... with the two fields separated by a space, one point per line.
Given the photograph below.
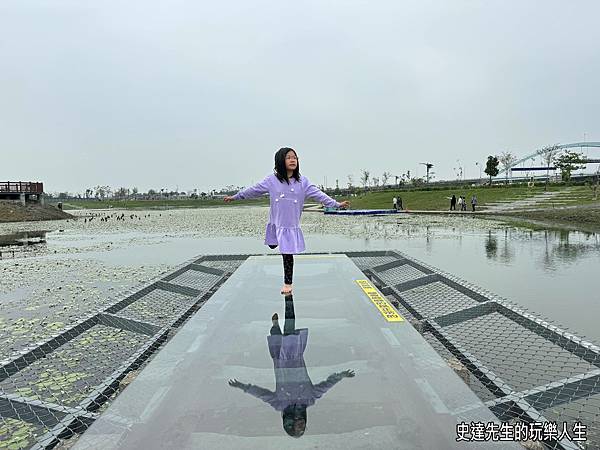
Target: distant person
x=460 y=203
x=453 y=202
x=287 y=190
x=400 y=203
x=464 y=203
x=294 y=390
x=395 y=203
x=473 y=202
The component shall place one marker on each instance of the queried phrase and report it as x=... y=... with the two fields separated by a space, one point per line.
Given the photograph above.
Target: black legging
x=289 y=326
x=288 y=266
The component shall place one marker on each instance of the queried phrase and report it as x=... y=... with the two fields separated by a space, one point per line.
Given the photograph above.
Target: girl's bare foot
x=286 y=289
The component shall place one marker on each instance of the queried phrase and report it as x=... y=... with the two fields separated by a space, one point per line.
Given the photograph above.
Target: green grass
x=438 y=199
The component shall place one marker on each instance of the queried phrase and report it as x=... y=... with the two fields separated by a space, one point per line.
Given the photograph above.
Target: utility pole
x=429 y=166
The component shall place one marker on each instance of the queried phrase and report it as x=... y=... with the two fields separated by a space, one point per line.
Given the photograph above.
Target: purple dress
x=287 y=201
x=292 y=383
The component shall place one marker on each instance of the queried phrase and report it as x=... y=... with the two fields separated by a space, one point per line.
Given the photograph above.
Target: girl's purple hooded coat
x=287 y=201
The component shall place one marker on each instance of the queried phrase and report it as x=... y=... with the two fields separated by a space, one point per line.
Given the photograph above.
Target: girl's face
x=291 y=161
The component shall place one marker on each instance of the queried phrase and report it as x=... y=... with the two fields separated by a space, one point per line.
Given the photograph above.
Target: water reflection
x=491 y=245
x=294 y=390
x=558 y=246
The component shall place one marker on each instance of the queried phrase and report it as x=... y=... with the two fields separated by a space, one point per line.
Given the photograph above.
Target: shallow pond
x=550 y=273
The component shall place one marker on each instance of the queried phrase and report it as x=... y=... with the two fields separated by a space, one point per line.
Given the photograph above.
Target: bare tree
x=376 y=181
x=507 y=159
x=548 y=154
x=385 y=176
x=122 y=192
x=102 y=191
x=364 y=177
x=350 y=181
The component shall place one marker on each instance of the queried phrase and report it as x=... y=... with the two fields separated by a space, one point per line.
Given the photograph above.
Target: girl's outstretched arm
x=317 y=194
x=331 y=380
x=259 y=392
x=260 y=188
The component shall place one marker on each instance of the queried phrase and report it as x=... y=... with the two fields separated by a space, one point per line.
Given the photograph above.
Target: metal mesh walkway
x=54 y=388
x=346 y=373
x=525 y=369
x=522 y=367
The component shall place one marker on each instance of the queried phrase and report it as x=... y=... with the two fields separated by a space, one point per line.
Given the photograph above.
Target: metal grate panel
x=436 y=299
x=401 y=274
x=195 y=279
x=158 y=307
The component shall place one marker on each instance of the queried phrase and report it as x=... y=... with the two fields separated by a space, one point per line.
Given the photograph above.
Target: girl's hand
x=237 y=384
x=228 y=199
x=344 y=204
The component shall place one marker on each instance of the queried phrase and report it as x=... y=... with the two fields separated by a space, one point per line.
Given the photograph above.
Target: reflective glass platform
x=338 y=368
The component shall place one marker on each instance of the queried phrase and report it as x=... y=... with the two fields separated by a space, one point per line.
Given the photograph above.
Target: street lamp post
x=477 y=164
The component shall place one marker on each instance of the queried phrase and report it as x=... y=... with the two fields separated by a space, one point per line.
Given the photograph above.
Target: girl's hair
x=280 y=170
x=290 y=415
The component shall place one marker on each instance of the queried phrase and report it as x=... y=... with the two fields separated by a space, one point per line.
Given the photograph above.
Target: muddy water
x=548 y=272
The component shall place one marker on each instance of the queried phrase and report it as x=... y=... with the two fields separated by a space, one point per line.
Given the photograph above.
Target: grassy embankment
x=439 y=200
x=571 y=206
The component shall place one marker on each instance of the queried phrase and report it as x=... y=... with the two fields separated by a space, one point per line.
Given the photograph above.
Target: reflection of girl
x=287 y=190
x=294 y=390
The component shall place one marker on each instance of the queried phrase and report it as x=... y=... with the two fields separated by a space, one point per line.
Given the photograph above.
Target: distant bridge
x=541 y=152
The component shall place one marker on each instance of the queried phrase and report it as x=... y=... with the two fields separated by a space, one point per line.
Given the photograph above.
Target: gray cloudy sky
x=194 y=94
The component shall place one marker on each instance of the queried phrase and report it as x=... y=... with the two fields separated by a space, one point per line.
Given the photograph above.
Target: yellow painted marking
x=387 y=311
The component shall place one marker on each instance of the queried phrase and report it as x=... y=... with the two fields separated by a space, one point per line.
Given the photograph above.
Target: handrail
x=21 y=187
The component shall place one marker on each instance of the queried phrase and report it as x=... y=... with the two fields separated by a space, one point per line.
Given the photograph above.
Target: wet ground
x=45 y=286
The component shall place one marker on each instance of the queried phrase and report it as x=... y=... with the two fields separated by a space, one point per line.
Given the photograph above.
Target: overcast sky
x=193 y=94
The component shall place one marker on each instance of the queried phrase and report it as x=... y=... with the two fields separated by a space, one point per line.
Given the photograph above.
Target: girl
x=287 y=190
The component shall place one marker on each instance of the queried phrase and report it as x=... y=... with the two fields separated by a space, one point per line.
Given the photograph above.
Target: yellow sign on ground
x=386 y=310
